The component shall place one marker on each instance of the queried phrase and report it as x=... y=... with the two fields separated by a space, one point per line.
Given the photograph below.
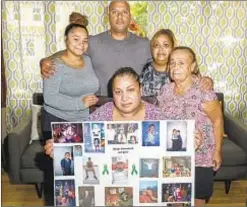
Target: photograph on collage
x=90 y=170
x=118 y=196
x=176 y=136
x=150 y=133
x=67 y=132
x=176 y=166
x=94 y=137
x=148 y=192
x=176 y=192
x=125 y=133
x=65 y=193
x=64 y=162
x=119 y=170
x=86 y=196
x=77 y=150
x=149 y=168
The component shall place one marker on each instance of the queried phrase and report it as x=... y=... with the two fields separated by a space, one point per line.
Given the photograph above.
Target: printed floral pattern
x=189 y=106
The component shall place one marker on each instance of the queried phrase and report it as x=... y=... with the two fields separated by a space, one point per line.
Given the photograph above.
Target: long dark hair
x=122 y=72
x=72 y=26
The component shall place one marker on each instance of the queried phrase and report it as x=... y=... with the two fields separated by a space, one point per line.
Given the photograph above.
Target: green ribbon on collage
x=105 y=170
x=134 y=171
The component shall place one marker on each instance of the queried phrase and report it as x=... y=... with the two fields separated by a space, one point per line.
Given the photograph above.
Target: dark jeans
x=47 y=163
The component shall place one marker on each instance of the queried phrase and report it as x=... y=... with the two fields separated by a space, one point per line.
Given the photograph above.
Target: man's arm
x=47 y=65
x=206 y=83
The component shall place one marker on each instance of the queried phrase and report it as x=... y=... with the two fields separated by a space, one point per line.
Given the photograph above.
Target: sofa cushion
x=232 y=154
x=28 y=159
x=36 y=130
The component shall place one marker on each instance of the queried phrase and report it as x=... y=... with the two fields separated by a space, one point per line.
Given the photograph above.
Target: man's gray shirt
x=108 y=55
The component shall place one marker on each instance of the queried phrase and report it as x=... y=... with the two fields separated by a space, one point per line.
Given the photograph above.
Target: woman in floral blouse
x=127 y=104
x=184 y=99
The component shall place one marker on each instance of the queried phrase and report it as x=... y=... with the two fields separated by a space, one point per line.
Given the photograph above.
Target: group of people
x=121 y=64
x=116 y=134
x=177 y=170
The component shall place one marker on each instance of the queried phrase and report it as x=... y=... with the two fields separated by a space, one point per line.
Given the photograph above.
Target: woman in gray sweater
x=69 y=93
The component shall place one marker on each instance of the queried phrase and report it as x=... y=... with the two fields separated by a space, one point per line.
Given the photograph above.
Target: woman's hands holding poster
x=49 y=147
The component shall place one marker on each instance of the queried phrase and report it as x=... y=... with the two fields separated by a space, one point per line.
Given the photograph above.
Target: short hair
x=178 y=131
x=125 y=71
x=196 y=70
x=166 y=32
x=110 y=5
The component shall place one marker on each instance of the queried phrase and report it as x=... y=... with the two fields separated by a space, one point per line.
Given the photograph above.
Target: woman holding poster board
x=184 y=99
x=127 y=104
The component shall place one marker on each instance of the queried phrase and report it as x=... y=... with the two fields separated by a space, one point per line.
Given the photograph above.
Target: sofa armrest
x=18 y=141
x=236 y=131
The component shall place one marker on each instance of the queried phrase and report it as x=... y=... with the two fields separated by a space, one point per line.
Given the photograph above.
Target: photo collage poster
x=137 y=163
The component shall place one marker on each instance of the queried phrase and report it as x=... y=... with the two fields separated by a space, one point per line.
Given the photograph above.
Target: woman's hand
x=198 y=139
x=49 y=147
x=217 y=160
x=90 y=100
x=47 y=67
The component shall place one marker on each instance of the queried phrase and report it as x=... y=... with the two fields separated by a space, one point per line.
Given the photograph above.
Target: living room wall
x=216 y=30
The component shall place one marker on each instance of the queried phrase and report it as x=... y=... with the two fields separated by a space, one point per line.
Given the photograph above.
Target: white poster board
x=148 y=163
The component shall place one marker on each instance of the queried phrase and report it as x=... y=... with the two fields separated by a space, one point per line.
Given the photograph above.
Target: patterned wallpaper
x=216 y=30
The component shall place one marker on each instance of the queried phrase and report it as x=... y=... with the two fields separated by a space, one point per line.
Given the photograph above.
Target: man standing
x=180 y=141
x=66 y=164
x=117 y=47
x=112 y=49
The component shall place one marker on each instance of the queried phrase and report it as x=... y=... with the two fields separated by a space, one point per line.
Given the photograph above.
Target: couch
x=23 y=158
x=24 y=166
x=234 y=152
